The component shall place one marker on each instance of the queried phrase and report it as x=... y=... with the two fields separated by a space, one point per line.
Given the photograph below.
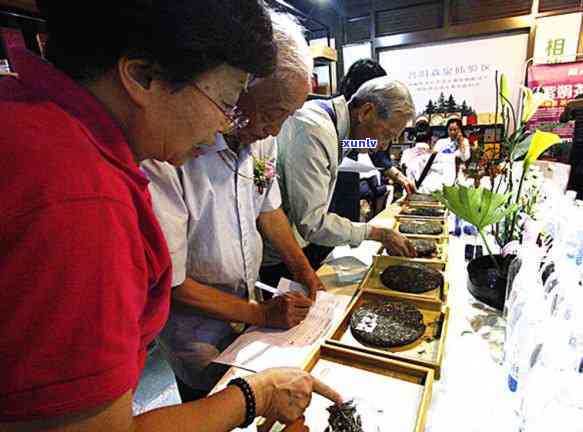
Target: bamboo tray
x=406 y=206
x=427 y=351
x=401 y=391
x=422 y=203
x=443 y=223
x=372 y=280
x=440 y=256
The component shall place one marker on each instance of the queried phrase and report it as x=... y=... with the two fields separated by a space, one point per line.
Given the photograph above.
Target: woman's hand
x=283 y=394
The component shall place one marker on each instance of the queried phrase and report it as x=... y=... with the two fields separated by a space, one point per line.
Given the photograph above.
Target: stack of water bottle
x=543 y=352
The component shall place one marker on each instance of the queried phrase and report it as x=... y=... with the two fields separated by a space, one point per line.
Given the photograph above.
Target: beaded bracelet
x=250 y=411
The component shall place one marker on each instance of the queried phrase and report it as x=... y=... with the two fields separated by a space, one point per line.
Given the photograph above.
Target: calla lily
x=541 y=141
x=531 y=103
x=504 y=90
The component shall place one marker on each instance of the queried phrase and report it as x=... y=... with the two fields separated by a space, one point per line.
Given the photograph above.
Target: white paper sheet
x=258 y=349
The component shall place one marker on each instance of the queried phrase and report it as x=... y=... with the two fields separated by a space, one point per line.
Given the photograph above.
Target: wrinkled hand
x=283 y=394
x=286 y=311
x=407 y=184
x=395 y=243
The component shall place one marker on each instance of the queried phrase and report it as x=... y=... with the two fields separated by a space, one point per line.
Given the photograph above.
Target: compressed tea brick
x=344 y=418
x=387 y=324
x=423 y=211
x=411 y=278
x=424 y=248
x=419 y=197
x=418 y=227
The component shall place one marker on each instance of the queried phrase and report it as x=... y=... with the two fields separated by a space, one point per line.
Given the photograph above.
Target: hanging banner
x=561 y=83
x=459 y=71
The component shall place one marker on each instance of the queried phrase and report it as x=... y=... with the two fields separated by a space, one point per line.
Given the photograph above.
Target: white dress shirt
x=209 y=219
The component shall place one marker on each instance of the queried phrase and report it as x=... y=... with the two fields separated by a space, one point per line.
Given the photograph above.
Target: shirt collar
x=45 y=82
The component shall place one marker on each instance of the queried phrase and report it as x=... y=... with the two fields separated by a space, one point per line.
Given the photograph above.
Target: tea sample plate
x=426 y=351
x=373 y=282
x=389 y=396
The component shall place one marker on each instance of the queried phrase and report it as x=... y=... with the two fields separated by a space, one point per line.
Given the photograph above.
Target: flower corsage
x=263 y=173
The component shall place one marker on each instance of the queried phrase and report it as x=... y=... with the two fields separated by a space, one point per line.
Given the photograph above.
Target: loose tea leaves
x=387 y=324
x=423 y=211
x=412 y=278
x=418 y=227
x=344 y=418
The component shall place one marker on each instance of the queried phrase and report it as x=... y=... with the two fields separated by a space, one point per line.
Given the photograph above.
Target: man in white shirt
x=310 y=150
x=212 y=210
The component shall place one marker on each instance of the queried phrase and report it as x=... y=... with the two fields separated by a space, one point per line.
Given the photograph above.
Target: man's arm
x=310 y=155
x=275 y=227
x=280 y=312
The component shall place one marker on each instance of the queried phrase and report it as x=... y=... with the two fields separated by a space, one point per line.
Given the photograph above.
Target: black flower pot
x=484 y=281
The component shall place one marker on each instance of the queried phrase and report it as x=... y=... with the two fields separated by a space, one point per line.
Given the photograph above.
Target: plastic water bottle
x=525 y=316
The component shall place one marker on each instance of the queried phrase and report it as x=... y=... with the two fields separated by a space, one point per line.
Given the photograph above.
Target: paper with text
x=258 y=348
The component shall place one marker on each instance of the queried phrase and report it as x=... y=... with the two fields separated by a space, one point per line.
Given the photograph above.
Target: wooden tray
x=442 y=245
x=391 y=375
x=427 y=351
x=373 y=280
x=443 y=223
x=408 y=206
x=422 y=203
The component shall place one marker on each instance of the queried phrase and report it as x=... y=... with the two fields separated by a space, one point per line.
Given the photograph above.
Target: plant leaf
x=541 y=141
x=478 y=206
x=521 y=148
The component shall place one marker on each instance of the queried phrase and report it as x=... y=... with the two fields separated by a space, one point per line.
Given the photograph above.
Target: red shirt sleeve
x=73 y=287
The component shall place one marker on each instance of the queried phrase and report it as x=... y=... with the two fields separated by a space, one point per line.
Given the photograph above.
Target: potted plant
x=499 y=209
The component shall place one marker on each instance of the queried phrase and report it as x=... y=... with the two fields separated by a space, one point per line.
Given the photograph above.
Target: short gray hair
x=293 y=53
x=387 y=95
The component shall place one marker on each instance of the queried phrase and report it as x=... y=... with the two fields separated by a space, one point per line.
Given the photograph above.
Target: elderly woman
x=85 y=271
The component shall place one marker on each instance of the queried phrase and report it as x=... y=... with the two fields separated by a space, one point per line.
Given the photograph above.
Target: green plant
x=516 y=142
x=479 y=206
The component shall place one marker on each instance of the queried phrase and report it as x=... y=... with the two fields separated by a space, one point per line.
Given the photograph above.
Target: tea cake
x=424 y=248
x=411 y=278
x=387 y=324
x=421 y=227
x=423 y=211
x=420 y=197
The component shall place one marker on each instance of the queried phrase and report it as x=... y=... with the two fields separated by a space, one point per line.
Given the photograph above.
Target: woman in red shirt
x=84 y=268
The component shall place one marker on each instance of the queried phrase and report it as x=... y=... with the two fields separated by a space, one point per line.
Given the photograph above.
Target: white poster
x=352 y=53
x=557 y=38
x=463 y=69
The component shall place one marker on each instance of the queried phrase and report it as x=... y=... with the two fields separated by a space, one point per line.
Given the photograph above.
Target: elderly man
x=310 y=148
x=211 y=211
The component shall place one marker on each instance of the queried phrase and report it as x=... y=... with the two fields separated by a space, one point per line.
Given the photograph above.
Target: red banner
x=561 y=82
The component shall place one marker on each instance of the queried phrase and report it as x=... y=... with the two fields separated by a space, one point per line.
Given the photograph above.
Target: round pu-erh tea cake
x=424 y=248
x=419 y=197
x=423 y=211
x=411 y=278
x=418 y=227
x=387 y=324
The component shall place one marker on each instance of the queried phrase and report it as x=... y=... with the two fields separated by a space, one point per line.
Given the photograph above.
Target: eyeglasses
x=235 y=118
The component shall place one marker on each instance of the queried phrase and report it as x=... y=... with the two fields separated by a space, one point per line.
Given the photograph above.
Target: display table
x=471 y=395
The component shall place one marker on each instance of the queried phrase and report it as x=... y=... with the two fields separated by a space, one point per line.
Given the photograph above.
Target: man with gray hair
x=211 y=210
x=311 y=146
